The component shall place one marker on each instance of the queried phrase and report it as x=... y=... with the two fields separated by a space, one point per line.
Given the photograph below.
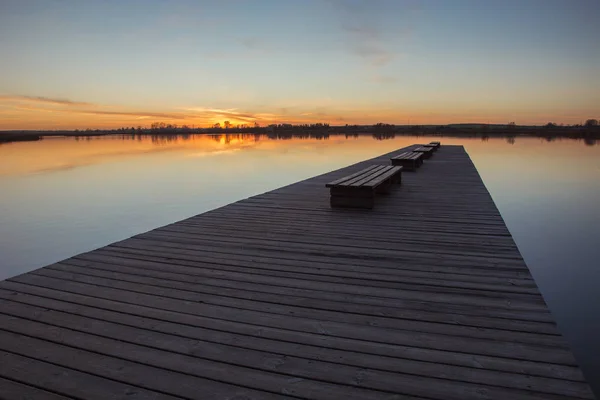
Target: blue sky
x=107 y=63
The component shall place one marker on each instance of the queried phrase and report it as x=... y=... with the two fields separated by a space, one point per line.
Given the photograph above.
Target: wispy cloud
x=360 y=21
x=370 y=36
x=252 y=43
x=218 y=113
x=139 y=114
x=44 y=110
x=49 y=105
x=377 y=78
x=42 y=99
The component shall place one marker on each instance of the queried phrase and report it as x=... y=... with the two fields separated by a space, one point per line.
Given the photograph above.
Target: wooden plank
x=181 y=262
x=454 y=314
x=411 y=384
x=88 y=354
x=393 y=173
x=11 y=390
x=182 y=315
x=373 y=172
x=67 y=382
x=409 y=160
x=326 y=310
x=279 y=316
x=354 y=175
x=392 y=296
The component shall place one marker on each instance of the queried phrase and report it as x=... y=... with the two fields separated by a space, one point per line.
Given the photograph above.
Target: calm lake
x=63 y=196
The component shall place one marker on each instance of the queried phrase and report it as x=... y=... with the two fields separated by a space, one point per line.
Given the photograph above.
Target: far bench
x=427 y=151
x=359 y=189
x=436 y=144
x=431 y=146
x=410 y=160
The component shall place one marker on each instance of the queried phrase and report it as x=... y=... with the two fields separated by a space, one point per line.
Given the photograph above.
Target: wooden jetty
x=279 y=296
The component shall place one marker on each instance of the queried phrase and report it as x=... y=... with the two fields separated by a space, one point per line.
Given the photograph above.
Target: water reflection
x=64 y=153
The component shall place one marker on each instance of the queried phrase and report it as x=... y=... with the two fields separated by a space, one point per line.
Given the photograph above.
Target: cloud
x=360 y=22
x=136 y=114
x=43 y=100
x=41 y=104
x=252 y=43
x=368 y=32
x=139 y=114
x=377 y=78
x=44 y=112
x=374 y=52
x=224 y=113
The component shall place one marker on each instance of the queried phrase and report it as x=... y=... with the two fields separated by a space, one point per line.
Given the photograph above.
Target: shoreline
x=379 y=132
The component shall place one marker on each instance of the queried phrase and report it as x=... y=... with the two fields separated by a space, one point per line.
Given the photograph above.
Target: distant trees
x=380 y=125
x=591 y=123
x=512 y=125
x=550 y=125
x=227 y=124
x=161 y=126
x=318 y=125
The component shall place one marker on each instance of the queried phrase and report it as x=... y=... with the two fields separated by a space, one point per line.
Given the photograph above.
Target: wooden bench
x=410 y=160
x=436 y=144
x=427 y=151
x=359 y=189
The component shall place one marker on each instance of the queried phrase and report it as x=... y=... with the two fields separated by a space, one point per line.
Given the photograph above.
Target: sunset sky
x=103 y=64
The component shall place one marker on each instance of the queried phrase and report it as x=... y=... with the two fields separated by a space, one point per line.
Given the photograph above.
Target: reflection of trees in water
x=228 y=138
x=162 y=134
x=590 y=141
x=383 y=135
x=157 y=138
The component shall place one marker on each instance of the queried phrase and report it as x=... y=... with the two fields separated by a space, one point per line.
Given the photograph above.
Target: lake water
x=63 y=196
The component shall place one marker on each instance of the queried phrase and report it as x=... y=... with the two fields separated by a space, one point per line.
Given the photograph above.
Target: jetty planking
x=426 y=296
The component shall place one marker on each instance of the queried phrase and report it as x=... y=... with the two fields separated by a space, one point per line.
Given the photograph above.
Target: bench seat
x=359 y=189
x=410 y=160
x=427 y=151
x=431 y=146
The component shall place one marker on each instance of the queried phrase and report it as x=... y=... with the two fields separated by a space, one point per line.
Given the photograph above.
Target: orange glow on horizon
x=24 y=113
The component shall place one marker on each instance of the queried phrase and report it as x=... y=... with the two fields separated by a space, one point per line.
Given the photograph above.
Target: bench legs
x=408 y=165
x=352 y=202
x=353 y=198
x=385 y=188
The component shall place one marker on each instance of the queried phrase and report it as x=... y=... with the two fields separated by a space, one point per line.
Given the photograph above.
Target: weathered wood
x=273 y=362
x=280 y=295
x=358 y=190
x=64 y=381
x=409 y=160
x=427 y=151
x=11 y=390
x=371 y=168
x=133 y=305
